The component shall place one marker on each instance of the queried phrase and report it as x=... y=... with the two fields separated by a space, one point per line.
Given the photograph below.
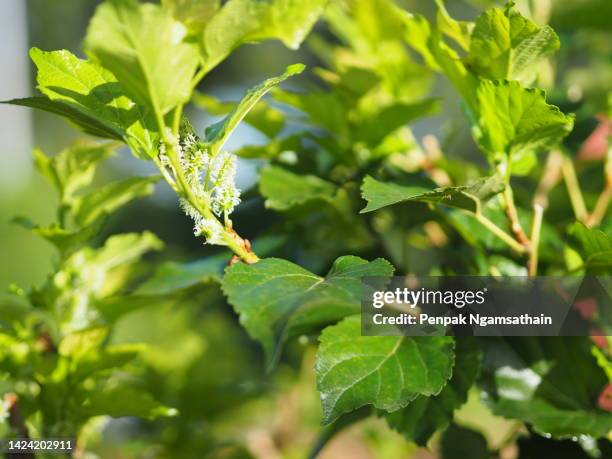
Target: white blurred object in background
x=15 y=122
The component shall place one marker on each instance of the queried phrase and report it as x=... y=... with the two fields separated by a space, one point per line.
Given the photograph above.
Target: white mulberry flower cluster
x=211 y=179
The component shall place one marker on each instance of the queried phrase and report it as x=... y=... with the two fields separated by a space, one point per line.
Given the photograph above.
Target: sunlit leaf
x=385 y=371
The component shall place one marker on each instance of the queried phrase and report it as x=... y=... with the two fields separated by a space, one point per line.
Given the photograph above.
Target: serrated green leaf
x=551 y=383
x=90 y=96
x=426 y=415
x=507 y=45
x=277 y=299
x=217 y=134
x=512 y=120
x=108 y=198
x=468 y=197
x=595 y=247
x=144 y=47
x=284 y=190
x=266 y=119
x=385 y=371
x=246 y=21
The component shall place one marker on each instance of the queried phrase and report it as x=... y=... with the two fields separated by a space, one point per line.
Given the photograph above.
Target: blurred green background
x=203 y=362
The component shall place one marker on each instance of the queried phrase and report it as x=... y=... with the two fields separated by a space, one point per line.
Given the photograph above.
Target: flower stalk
x=205 y=186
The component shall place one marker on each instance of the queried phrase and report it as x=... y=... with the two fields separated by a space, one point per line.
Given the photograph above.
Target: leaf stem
x=536 y=230
x=176 y=122
x=573 y=190
x=512 y=214
x=500 y=233
x=601 y=207
x=550 y=178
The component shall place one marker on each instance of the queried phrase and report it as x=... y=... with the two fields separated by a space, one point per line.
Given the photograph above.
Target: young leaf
x=459 y=31
x=284 y=190
x=514 y=121
x=245 y=21
x=142 y=45
x=385 y=371
x=469 y=197
x=108 y=198
x=506 y=45
x=73 y=168
x=275 y=298
x=426 y=415
x=266 y=119
x=217 y=134
x=91 y=97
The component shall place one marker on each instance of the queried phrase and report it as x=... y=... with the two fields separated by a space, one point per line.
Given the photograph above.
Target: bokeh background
x=213 y=367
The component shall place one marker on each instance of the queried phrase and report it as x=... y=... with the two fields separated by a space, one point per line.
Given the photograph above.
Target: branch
x=536 y=229
x=573 y=190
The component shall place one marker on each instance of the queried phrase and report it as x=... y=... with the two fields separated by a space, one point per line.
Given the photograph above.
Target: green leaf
x=385 y=371
x=90 y=275
x=459 y=31
x=468 y=197
x=551 y=383
x=195 y=14
x=465 y=443
x=172 y=276
x=142 y=45
x=426 y=415
x=277 y=299
x=324 y=109
x=218 y=133
x=284 y=190
x=90 y=96
x=117 y=400
x=273 y=149
x=373 y=130
x=246 y=21
x=512 y=120
x=506 y=45
x=63 y=239
x=266 y=119
x=79 y=344
x=595 y=247
x=73 y=168
x=87 y=123
x=108 y=198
